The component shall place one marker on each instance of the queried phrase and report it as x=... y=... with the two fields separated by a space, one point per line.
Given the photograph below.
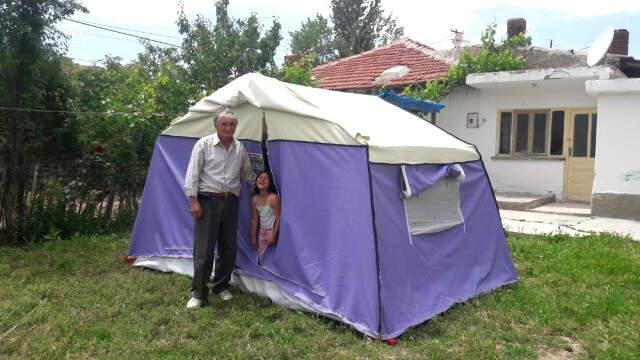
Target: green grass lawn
x=577 y=298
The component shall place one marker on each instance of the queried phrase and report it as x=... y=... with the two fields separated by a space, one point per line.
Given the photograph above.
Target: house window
x=580 y=131
x=539 y=143
x=534 y=132
x=505 y=133
x=557 y=133
x=522 y=133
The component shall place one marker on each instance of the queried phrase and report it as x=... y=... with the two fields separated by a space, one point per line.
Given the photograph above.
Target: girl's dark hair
x=270 y=189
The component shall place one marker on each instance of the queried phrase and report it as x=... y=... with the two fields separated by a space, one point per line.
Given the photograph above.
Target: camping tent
x=387 y=220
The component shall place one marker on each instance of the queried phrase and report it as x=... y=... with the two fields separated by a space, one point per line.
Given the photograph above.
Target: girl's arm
x=254 y=224
x=275 y=204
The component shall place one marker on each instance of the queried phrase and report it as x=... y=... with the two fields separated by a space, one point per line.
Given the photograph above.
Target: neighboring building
x=558 y=127
x=416 y=64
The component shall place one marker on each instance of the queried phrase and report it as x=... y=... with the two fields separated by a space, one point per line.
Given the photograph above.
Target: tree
x=131 y=104
x=166 y=87
x=300 y=72
x=315 y=36
x=215 y=54
x=30 y=67
x=361 y=25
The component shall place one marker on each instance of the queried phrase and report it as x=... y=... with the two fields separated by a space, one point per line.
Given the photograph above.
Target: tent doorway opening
x=265 y=153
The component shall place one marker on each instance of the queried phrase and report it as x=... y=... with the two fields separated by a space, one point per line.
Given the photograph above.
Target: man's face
x=225 y=128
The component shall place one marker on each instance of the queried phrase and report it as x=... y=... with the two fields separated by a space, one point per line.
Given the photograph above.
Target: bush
x=60 y=219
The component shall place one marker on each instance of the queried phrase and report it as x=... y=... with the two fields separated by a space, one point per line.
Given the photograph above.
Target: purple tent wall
x=326 y=242
x=164 y=226
x=422 y=280
x=325 y=254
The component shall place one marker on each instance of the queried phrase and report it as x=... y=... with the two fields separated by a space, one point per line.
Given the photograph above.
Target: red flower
x=99 y=149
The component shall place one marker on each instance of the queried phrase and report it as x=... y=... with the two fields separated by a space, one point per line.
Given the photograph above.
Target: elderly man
x=212 y=183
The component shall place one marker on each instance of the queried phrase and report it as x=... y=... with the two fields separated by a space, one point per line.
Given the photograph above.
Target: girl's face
x=262 y=181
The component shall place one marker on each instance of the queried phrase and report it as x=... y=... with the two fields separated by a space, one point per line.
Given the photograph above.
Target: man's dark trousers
x=217 y=225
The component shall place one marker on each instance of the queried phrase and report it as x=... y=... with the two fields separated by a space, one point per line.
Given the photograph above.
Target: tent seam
x=376 y=242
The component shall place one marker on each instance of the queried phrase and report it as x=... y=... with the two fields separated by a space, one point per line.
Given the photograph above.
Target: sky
x=568 y=26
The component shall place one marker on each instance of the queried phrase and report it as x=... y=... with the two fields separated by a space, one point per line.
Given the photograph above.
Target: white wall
x=618 y=144
x=532 y=176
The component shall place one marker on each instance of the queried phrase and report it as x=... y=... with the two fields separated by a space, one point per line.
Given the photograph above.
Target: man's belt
x=223 y=195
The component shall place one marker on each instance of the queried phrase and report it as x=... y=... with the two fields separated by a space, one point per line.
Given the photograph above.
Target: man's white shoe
x=226 y=295
x=196 y=303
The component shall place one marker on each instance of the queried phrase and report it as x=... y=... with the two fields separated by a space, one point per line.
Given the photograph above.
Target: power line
x=83 y=112
x=94 y=61
x=85 y=60
x=98 y=51
x=133 y=30
x=101 y=36
x=432 y=45
x=123 y=33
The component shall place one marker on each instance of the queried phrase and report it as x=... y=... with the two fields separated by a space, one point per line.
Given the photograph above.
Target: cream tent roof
x=299 y=113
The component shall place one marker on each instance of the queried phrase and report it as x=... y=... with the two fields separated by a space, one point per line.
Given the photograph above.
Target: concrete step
x=565 y=208
x=523 y=202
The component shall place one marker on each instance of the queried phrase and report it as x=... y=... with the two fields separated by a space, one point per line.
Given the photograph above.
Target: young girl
x=265 y=207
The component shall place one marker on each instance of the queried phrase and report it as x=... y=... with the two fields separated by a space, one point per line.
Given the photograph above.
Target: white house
x=573 y=131
x=616 y=188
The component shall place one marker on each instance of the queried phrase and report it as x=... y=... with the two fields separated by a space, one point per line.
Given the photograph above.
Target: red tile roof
x=360 y=71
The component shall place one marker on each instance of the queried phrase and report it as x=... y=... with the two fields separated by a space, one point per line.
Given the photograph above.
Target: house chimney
x=620 y=43
x=516 y=26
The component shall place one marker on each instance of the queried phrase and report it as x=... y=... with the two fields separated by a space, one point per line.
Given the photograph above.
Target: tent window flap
x=432 y=197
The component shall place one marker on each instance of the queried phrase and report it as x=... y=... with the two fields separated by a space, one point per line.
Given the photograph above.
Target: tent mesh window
x=435 y=209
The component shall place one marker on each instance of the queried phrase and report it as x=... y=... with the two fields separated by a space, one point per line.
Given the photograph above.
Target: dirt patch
x=571 y=350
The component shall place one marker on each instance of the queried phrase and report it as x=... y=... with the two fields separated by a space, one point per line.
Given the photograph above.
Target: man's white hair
x=226 y=113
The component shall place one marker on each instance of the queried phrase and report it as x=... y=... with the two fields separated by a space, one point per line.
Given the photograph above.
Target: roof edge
x=613 y=86
x=515 y=76
x=406 y=41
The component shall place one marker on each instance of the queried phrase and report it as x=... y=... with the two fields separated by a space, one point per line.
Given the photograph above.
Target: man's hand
x=254 y=244
x=194 y=208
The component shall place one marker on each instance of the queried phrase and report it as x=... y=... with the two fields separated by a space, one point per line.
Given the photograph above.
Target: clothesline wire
x=108 y=113
x=123 y=33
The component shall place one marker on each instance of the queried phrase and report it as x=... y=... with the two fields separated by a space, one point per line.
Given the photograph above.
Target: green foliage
x=361 y=25
x=31 y=77
x=300 y=72
x=315 y=36
x=59 y=215
x=166 y=89
x=215 y=54
x=134 y=102
x=490 y=58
